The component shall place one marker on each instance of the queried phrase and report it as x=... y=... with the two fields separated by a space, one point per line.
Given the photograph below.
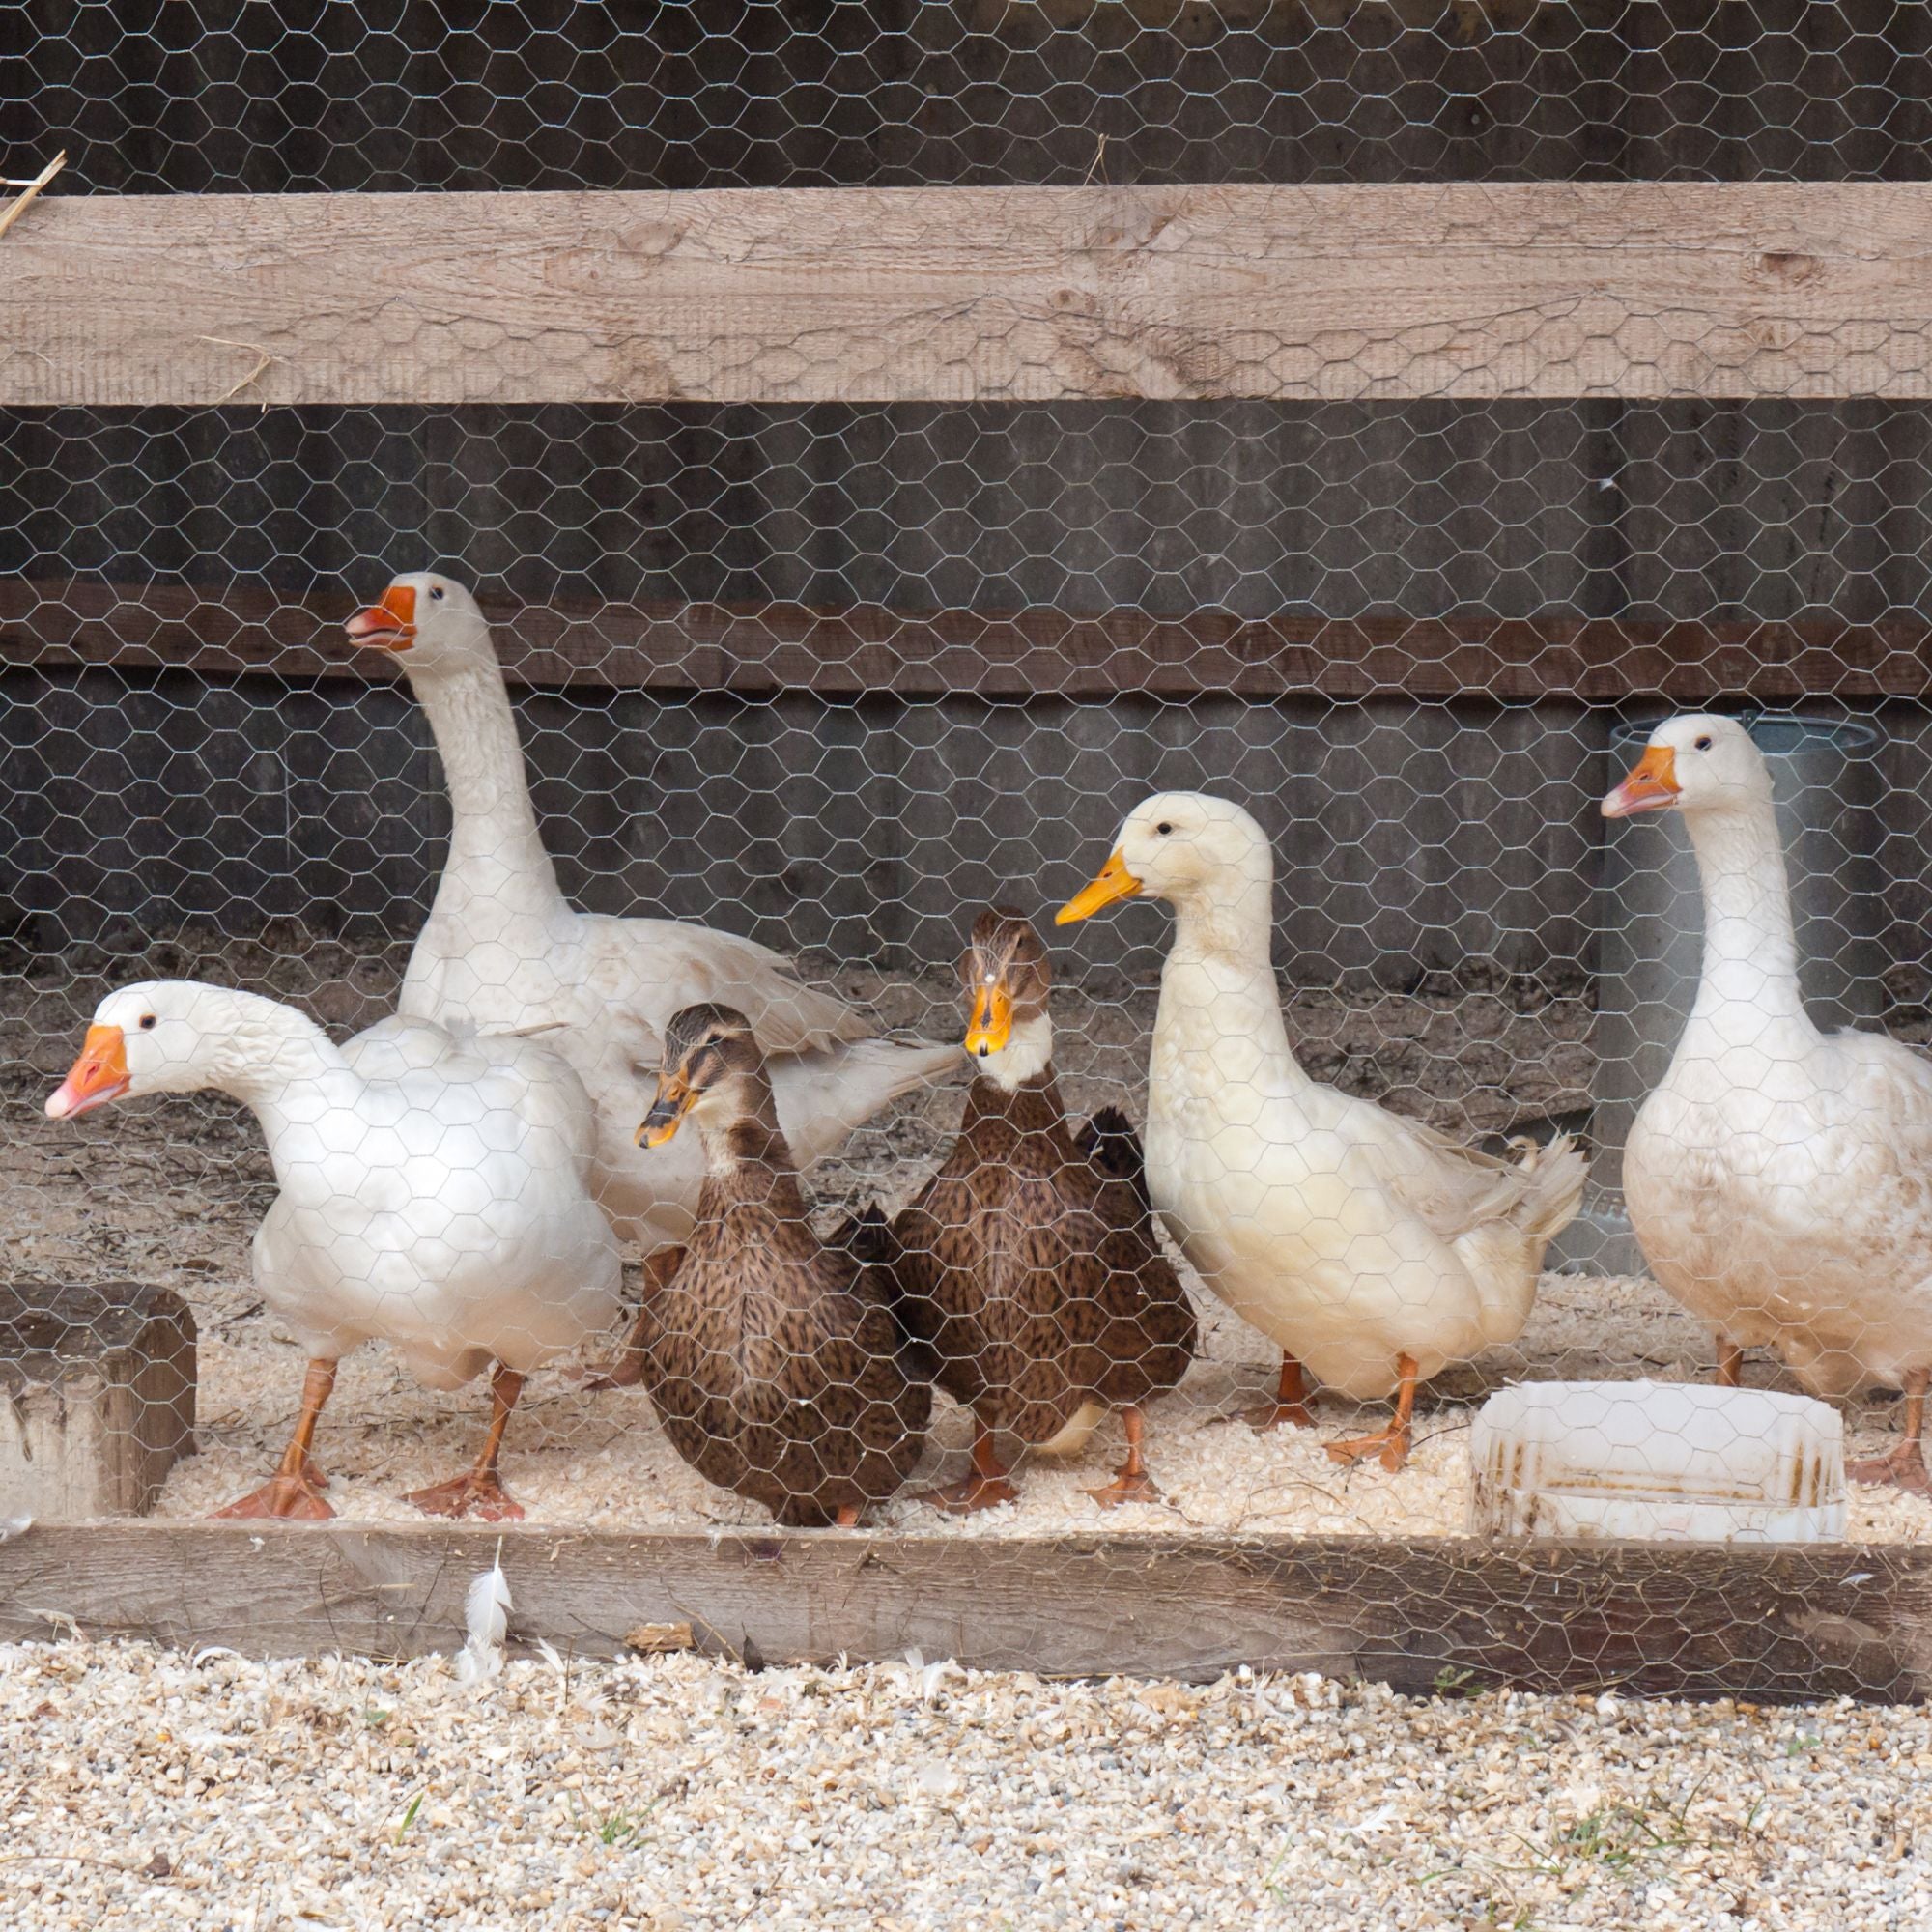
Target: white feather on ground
x=486 y=1614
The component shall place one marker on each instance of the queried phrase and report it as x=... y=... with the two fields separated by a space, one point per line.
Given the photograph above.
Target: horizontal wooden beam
x=1655 y=1619
x=760 y=650
x=1560 y=288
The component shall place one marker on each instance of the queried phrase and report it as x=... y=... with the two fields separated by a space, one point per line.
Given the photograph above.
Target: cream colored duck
x=434 y=1194
x=1779 y=1179
x=1373 y=1249
x=503 y=949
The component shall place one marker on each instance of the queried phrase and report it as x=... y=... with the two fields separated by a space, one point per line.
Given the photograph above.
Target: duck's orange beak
x=1114 y=882
x=992 y=1022
x=668 y=1111
x=98 y=1076
x=388 y=626
x=1652 y=785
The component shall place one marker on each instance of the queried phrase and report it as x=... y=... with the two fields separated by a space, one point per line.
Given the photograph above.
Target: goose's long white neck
x=278 y=1064
x=495 y=850
x=1751 y=949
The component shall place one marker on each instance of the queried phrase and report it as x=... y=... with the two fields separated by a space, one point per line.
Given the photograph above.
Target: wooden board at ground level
x=1343 y=291
x=1658 y=1620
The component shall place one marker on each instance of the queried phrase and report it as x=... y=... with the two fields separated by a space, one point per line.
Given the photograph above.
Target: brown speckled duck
x=771 y=1357
x=1029 y=1263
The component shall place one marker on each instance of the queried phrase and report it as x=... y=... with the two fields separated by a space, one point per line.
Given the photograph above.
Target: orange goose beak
x=100 y=1075
x=1651 y=786
x=389 y=625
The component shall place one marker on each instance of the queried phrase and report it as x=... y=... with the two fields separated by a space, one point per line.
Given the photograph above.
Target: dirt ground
x=170 y=1191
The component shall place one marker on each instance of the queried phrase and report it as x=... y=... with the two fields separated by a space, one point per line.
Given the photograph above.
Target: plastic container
x=1658 y=1462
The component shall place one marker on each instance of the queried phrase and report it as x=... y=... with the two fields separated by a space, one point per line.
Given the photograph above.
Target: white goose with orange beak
x=503 y=949
x=1370 y=1247
x=434 y=1194
x=1780 y=1179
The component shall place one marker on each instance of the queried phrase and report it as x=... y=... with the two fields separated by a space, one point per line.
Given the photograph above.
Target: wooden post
x=99 y=1398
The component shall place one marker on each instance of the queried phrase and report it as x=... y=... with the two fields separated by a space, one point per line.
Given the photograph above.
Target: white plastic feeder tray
x=1659 y=1462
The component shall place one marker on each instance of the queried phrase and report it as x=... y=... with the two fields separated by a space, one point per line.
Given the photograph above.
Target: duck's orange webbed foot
x=987 y=1488
x=1131 y=1482
x=294 y=1492
x=287 y=1499
x=1390 y=1445
x=477 y=1493
x=969 y=1495
x=1274 y=1415
x=1904 y=1468
x=1129 y=1486
x=1290 y=1404
x=626 y=1372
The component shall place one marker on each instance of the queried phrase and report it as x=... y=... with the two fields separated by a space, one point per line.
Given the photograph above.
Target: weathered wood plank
x=1769 y=1624
x=1641 y=289
x=758 y=649
x=96 y=1397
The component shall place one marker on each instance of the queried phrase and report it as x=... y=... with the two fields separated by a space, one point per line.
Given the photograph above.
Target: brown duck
x=771 y=1358
x=1029 y=1263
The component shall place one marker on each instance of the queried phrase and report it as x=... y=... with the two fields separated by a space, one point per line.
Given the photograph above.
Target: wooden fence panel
x=1463 y=290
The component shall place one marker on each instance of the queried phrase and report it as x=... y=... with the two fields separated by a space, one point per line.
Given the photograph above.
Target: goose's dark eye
x=1703 y=744
x=147 y=1022
x=1163 y=830
x=436 y=594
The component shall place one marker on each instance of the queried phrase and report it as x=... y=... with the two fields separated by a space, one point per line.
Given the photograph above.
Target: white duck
x=1371 y=1248
x=434 y=1194
x=1779 y=1179
x=503 y=949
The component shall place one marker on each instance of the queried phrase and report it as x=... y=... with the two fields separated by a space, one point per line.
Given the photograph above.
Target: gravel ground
x=170 y=1192
x=147 y=1789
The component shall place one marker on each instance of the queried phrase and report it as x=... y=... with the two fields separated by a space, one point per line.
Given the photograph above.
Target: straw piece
x=17 y=207
x=263 y=362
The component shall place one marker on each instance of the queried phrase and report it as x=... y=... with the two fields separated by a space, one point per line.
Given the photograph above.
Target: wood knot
x=1789 y=266
x=649 y=239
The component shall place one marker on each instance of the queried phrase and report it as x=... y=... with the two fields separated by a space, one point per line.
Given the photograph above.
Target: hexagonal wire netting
x=765 y=679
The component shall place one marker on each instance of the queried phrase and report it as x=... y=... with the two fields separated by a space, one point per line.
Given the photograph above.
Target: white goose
x=434 y=1194
x=1373 y=1249
x=503 y=949
x=1779 y=1179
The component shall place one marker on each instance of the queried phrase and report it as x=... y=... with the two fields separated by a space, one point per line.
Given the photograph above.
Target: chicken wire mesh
x=835 y=678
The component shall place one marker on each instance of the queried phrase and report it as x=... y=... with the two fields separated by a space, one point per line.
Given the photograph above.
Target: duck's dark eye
x=1163 y=830
x=147 y=1022
x=1704 y=744
x=436 y=594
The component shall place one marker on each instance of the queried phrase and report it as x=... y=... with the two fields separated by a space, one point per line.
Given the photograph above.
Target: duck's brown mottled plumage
x=771 y=1357
x=1033 y=1277
x=1029 y=1263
